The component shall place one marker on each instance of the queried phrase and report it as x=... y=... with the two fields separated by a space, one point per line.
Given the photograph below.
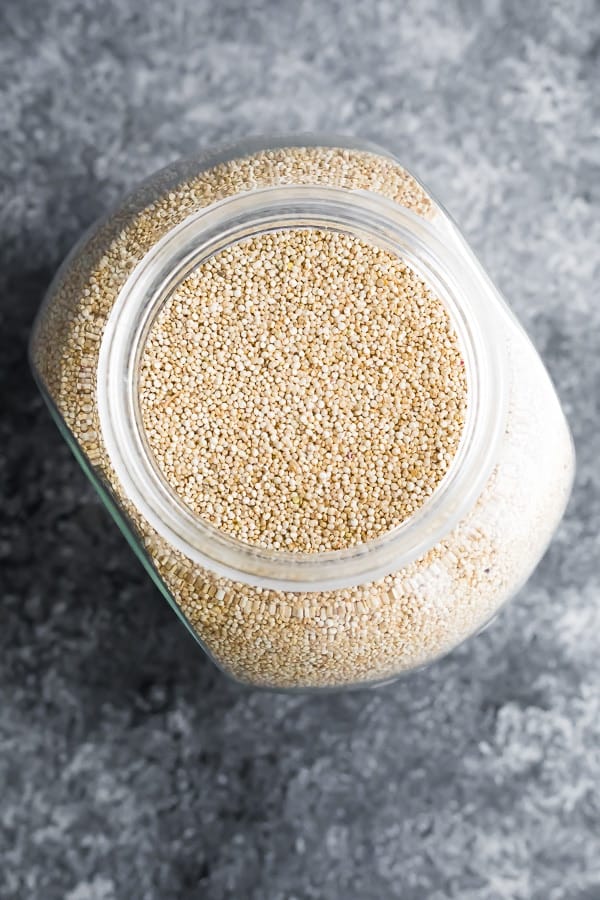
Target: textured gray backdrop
x=129 y=768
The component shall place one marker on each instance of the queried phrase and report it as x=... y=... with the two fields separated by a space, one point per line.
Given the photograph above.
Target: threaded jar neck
x=451 y=274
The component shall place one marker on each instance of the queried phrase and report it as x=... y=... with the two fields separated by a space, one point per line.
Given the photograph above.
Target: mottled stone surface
x=129 y=768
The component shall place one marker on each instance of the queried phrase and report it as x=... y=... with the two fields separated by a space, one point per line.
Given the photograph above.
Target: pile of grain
x=288 y=639
x=303 y=390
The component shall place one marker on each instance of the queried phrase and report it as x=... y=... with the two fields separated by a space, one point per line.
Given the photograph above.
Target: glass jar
x=277 y=618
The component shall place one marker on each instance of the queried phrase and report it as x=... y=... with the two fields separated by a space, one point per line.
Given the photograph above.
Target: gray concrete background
x=129 y=768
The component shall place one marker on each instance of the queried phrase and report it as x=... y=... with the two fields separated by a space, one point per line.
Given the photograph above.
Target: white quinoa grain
x=322 y=638
x=222 y=383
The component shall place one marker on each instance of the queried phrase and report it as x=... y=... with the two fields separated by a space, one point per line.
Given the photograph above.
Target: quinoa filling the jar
x=326 y=436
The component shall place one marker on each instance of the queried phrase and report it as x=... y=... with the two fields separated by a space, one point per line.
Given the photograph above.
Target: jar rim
x=452 y=272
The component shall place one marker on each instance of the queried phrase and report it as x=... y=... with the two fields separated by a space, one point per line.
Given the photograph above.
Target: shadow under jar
x=319 y=425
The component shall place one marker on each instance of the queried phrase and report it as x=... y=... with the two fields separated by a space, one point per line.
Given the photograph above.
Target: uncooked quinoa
x=303 y=390
x=320 y=638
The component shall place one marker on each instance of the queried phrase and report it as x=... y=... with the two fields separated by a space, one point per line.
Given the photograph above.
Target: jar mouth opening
x=451 y=275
